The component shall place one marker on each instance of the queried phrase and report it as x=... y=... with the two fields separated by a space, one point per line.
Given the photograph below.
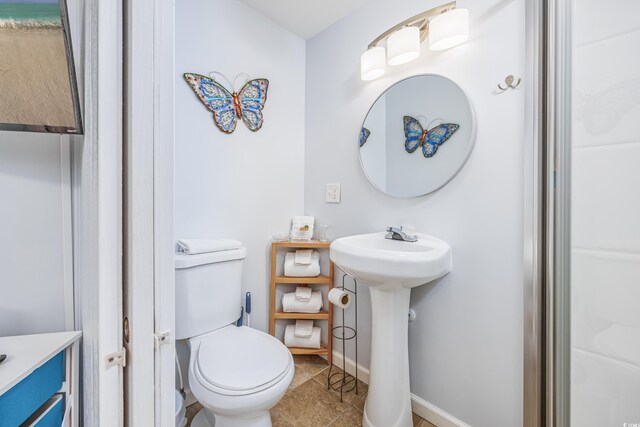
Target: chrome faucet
x=396 y=233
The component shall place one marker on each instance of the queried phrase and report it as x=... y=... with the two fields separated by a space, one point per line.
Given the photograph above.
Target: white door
x=148 y=213
x=96 y=187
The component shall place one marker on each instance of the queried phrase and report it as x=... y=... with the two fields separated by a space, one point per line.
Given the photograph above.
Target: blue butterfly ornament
x=430 y=139
x=364 y=135
x=227 y=107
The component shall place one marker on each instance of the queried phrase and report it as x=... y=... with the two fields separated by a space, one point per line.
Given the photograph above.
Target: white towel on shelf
x=291 y=304
x=303 y=256
x=303 y=328
x=302 y=220
x=303 y=293
x=290 y=339
x=291 y=269
x=200 y=246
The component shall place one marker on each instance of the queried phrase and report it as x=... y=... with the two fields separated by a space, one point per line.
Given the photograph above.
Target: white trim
x=108 y=145
x=76 y=11
x=421 y=407
x=149 y=245
x=97 y=213
x=73 y=352
x=363 y=373
x=139 y=221
x=67 y=233
x=433 y=414
x=163 y=198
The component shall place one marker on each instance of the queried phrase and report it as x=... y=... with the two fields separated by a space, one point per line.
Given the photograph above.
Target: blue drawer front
x=53 y=418
x=24 y=398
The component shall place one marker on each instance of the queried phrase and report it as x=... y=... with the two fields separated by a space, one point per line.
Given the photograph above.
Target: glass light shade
x=372 y=63
x=449 y=29
x=403 y=46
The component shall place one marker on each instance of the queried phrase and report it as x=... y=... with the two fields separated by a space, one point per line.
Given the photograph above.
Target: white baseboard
x=433 y=414
x=426 y=410
x=350 y=367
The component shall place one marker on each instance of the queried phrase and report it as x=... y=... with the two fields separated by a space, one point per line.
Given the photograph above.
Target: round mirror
x=417 y=136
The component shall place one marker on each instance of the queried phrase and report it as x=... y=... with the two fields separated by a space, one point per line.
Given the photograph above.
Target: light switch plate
x=332 y=194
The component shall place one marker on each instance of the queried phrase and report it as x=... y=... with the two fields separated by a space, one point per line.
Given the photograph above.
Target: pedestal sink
x=390 y=268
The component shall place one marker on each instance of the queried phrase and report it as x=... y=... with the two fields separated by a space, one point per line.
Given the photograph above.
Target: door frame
x=148 y=288
x=534 y=220
x=547 y=189
x=96 y=190
x=97 y=208
x=163 y=209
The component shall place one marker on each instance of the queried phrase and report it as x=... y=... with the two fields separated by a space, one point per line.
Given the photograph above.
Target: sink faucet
x=396 y=233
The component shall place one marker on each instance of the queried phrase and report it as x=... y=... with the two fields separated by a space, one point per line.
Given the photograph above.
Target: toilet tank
x=208 y=291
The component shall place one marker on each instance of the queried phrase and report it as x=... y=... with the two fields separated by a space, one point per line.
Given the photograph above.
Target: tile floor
x=308 y=403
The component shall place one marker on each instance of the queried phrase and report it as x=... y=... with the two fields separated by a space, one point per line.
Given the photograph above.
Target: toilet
x=237 y=373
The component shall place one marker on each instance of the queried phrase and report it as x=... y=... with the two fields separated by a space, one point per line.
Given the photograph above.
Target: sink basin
x=376 y=261
x=390 y=268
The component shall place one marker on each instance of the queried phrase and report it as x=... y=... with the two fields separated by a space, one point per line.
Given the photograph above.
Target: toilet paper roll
x=339 y=298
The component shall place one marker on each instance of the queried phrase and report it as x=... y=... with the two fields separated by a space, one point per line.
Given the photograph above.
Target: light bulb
x=372 y=63
x=403 y=46
x=449 y=29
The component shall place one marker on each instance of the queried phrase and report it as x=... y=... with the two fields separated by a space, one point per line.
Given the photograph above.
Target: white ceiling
x=306 y=18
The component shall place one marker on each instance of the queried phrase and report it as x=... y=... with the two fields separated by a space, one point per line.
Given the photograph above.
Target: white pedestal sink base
x=389 y=398
x=390 y=268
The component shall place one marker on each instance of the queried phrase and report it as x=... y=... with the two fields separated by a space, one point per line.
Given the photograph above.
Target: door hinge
x=117 y=358
x=161 y=338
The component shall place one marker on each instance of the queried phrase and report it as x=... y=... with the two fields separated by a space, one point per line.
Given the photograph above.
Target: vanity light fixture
x=445 y=25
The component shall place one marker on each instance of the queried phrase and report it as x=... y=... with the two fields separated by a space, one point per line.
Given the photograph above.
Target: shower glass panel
x=605 y=214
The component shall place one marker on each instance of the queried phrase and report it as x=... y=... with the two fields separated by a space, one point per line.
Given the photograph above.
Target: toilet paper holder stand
x=343 y=381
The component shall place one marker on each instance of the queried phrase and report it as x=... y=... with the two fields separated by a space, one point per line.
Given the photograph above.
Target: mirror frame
x=472 y=143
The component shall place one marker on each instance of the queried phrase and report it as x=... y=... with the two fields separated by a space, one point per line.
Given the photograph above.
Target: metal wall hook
x=510 y=82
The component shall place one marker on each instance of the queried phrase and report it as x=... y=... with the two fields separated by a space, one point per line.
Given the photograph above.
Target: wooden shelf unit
x=326 y=315
x=323 y=315
x=302 y=280
x=309 y=351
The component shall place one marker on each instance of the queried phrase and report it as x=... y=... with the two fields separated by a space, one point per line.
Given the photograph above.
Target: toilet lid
x=241 y=358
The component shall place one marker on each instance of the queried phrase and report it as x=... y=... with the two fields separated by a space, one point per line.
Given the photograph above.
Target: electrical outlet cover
x=332 y=194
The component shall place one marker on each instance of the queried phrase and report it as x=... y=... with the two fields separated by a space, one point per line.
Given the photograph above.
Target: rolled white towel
x=200 y=246
x=291 y=269
x=290 y=339
x=303 y=293
x=291 y=304
x=303 y=256
x=303 y=328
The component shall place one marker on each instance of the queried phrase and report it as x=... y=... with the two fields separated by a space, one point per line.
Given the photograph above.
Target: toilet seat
x=240 y=360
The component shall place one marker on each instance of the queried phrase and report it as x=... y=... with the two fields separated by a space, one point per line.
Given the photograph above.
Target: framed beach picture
x=38 y=90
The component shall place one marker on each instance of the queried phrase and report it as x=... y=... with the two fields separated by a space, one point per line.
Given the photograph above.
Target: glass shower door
x=605 y=214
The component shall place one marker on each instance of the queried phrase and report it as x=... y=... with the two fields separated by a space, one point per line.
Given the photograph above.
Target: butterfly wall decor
x=364 y=135
x=430 y=139
x=228 y=107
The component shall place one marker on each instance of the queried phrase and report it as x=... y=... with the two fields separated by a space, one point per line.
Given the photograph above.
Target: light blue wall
x=466 y=344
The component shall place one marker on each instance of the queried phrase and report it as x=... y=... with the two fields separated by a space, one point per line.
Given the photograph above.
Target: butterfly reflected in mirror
x=430 y=139
x=228 y=107
x=364 y=135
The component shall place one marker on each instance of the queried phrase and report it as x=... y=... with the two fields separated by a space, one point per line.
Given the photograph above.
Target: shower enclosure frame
x=547 y=168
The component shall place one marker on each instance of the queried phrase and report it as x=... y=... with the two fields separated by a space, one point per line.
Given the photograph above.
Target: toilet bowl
x=238 y=374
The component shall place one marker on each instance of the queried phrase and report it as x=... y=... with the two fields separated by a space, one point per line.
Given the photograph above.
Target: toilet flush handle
x=247 y=308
